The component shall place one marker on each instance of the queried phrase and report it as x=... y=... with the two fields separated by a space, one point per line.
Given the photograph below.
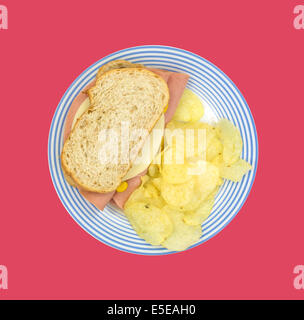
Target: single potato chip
x=206 y=143
x=208 y=178
x=231 y=140
x=198 y=216
x=139 y=193
x=195 y=201
x=177 y=195
x=183 y=235
x=214 y=149
x=150 y=223
x=150 y=191
x=235 y=171
x=190 y=107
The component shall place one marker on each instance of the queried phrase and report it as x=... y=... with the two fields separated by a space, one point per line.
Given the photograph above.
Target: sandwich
x=122 y=94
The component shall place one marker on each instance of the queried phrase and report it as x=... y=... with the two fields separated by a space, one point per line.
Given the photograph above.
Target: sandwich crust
x=117 y=64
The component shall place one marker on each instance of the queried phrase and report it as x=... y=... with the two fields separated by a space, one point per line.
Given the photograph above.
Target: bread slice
x=117 y=64
x=133 y=96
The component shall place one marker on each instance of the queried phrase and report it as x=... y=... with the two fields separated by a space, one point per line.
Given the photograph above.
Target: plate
x=221 y=98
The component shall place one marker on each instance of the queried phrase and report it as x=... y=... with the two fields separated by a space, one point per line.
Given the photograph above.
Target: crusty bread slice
x=135 y=96
x=117 y=64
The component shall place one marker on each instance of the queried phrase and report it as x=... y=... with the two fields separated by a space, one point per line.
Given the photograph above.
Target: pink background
x=48 y=44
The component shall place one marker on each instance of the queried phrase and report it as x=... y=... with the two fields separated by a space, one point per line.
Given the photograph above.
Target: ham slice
x=99 y=200
x=176 y=83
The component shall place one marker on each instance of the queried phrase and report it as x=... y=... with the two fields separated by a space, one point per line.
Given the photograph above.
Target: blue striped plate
x=221 y=98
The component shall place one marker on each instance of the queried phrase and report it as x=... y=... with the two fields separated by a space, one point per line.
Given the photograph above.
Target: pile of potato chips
x=177 y=194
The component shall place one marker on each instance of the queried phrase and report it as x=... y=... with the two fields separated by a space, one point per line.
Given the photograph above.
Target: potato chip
x=183 y=235
x=214 y=149
x=198 y=216
x=177 y=195
x=175 y=173
x=139 y=193
x=147 y=193
x=218 y=160
x=207 y=144
x=171 y=125
x=208 y=178
x=232 y=141
x=150 y=223
x=194 y=203
x=157 y=183
x=235 y=171
x=175 y=150
x=220 y=181
x=190 y=107
x=150 y=191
